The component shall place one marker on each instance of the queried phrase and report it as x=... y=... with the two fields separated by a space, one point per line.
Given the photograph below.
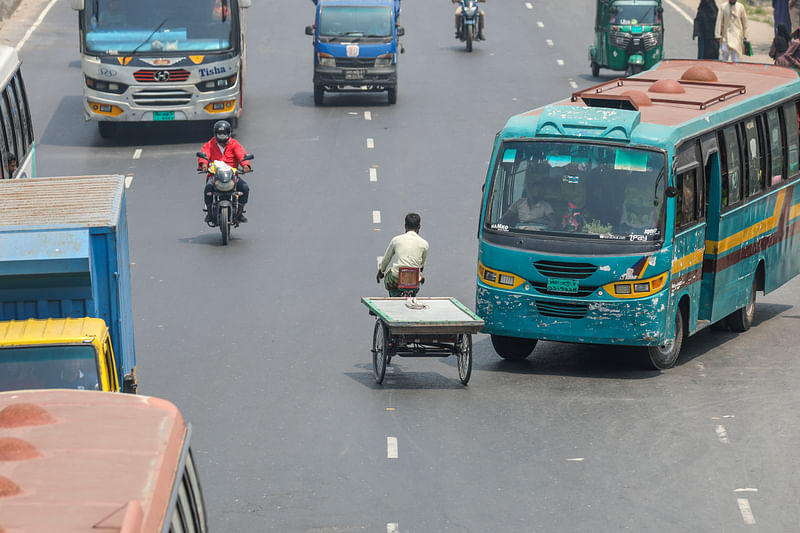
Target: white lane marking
x=560 y=62
x=540 y=24
x=576 y=459
x=373 y=174
x=549 y=42
x=392 y=527
x=36 y=24
x=747 y=513
x=722 y=434
x=367 y=115
x=370 y=143
x=128 y=181
x=391 y=447
x=745 y=489
x=376 y=217
x=137 y=154
x=680 y=11
x=573 y=84
x=352 y=113
x=528 y=5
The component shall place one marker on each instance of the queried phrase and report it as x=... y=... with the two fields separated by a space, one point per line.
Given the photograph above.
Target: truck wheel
x=513 y=348
x=392 y=93
x=107 y=129
x=319 y=94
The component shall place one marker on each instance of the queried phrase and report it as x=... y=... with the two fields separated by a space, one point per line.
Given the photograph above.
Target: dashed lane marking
x=392 y=527
x=376 y=217
x=137 y=154
x=573 y=84
x=549 y=42
x=373 y=174
x=528 y=5
x=367 y=115
x=370 y=143
x=560 y=62
x=128 y=181
x=540 y=24
x=36 y=24
x=747 y=513
x=722 y=434
x=391 y=447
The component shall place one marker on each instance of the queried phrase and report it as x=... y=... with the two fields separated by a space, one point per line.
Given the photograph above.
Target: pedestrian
x=780 y=43
x=780 y=14
x=705 y=23
x=791 y=57
x=731 y=31
x=794 y=13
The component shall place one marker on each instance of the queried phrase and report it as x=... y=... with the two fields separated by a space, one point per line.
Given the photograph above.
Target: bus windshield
x=583 y=190
x=120 y=26
x=349 y=22
x=636 y=14
x=48 y=367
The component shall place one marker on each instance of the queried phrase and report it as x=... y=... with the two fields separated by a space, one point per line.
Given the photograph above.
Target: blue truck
x=65 y=284
x=355 y=46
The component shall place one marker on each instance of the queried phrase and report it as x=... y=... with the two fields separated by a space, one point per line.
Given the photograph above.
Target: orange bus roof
x=82 y=461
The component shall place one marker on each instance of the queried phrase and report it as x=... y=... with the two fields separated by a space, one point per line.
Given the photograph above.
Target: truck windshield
x=582 y=190
x=636 y=14
x=121 y=26
x=362 y=21
x=48 y=367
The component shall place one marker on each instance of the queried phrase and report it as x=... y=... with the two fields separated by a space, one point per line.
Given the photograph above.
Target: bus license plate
x=163 y=115
x=562 y=285
x=355 y=74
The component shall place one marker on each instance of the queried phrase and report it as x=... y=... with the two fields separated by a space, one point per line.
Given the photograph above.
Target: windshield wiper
x=147 y=40
x=655 y=189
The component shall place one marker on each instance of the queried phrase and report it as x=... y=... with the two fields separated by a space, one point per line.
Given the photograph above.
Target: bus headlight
x=499 y=279
x=384 y=61
x=325 y=60
x=105 y=86
x=221 y=106
x=217 y=84
x=636 y=288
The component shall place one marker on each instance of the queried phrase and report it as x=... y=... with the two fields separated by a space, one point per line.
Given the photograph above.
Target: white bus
x=17 y=148
x=161 y=60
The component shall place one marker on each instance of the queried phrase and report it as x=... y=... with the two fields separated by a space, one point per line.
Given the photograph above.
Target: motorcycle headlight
x=384 y=60
x=470 y=11
x=223 y=180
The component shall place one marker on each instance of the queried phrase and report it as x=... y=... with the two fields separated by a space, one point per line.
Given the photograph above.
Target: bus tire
x=741 y=319
x=319 y=94
x=664 y=355
x=107 y=129
x=514 y=348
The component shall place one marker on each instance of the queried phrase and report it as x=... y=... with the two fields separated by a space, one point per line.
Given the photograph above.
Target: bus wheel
x=664 y=355
x=513 y=347
x=741 y=319
x=107 y=129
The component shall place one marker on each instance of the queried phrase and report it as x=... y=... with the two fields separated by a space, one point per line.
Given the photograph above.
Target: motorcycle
x=470 y=15
x=225 y=201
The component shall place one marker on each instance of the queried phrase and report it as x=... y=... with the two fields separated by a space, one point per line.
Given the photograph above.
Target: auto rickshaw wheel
x=595 y=69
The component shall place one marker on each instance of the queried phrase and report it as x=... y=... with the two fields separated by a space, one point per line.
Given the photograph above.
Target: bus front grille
x=559 y=269
x=162 y=97
x=561 y=310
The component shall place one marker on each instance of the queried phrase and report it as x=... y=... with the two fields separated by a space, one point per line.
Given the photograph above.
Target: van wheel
x=392 y=94
x=513 y=348
x=664 y=355
x=741 y=319
x=107 y=129
x=319 y=94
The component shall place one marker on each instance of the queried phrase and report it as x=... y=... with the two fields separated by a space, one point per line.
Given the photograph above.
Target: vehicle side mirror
x=613 y=10
x=244 y=4
x=78 y=5
x=248 y=157
x=672 y=192
x=660 y=10
x=401 y=31
x=309 y=30
x=201 y=155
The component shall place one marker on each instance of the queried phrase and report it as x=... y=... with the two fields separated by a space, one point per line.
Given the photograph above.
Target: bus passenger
x=532 y=207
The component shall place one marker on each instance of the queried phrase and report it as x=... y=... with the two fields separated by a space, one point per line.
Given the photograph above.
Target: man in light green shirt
x=410 y=250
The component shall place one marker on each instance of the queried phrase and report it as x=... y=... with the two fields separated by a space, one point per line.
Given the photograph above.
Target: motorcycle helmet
x=222 y=131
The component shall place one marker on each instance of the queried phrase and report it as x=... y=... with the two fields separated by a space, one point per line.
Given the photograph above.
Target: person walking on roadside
x=780 y=14
x=731 y=31
x=780 y=43
x=705 y=23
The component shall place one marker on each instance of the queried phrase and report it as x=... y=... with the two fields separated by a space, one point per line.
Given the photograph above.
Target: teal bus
x=642 y=210
x=16 y=127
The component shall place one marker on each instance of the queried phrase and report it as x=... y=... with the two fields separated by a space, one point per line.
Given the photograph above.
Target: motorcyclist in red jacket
x=222 y=147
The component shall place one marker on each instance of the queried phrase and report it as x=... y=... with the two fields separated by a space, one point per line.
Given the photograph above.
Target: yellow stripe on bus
x=687 y=261
x=757 y=229
x=794 y=211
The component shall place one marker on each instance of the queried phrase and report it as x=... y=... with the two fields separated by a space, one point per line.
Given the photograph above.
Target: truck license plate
x=562 y=285
x=355 y=74
x=163 y=115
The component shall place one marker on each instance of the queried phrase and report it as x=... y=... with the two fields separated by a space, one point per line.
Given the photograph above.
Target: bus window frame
x=780 y=151
x=690 y=156
x=732 y=131
x=6 y=131
x=15 y=122
x=791 y=116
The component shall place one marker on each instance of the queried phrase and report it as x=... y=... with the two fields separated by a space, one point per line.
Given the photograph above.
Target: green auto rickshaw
x=628 y=35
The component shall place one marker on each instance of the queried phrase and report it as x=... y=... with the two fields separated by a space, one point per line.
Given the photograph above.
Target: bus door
x=690 y=230
x=713 y=164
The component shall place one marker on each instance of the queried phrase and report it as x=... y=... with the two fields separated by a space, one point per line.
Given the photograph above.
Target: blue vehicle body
x=69 y=261
x=355 y=46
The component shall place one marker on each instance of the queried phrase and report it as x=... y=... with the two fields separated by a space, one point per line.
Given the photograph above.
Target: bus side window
x=752 y=157
x=731 y=148
x=723 y=170
x=776 y=142
x=19 y=149
x=24 y=112
x=687 y=198
x=189 y=513
x=764 y=150
x=791 y=114
x=7 y=132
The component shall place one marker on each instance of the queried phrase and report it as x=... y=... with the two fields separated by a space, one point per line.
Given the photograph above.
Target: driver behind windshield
x=532 y=208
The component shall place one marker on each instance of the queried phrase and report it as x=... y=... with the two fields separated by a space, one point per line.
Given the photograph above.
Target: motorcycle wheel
x=468 y=35
x=224 y=225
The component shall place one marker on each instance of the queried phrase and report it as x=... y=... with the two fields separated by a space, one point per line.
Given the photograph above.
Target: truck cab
x=355 y=47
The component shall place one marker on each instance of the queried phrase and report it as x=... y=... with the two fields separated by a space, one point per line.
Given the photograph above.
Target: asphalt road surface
x=264 y=344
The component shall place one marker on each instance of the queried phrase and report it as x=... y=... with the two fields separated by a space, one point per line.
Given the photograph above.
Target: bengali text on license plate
x=163 y=115
x=356 y=74
x=562 y=285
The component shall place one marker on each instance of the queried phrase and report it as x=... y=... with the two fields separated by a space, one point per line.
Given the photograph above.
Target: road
x=264 y=344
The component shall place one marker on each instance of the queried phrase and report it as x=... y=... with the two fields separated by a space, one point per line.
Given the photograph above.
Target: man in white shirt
x=731 y=31
x=410 y=249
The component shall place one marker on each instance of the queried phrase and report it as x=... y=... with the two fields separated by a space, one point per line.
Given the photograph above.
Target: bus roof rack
x=608 y=94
